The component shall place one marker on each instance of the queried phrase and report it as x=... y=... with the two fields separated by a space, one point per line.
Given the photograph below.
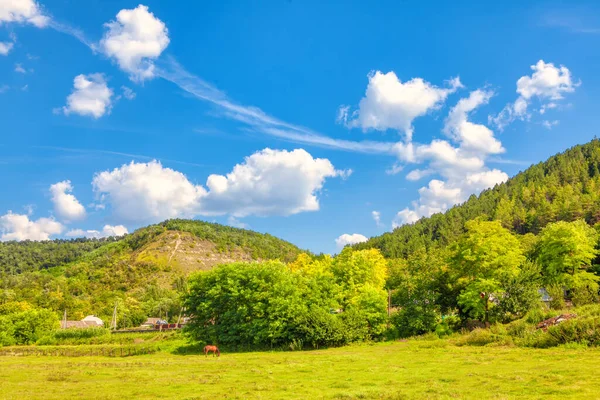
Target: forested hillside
x=566 y=187
x=143 y=272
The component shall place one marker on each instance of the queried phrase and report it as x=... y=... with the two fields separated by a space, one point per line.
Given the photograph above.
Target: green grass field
x=414 y=369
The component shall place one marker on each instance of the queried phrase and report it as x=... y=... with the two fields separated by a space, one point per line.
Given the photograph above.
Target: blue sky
x=300 y=119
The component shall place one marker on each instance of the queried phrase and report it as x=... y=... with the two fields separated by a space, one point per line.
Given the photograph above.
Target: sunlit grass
x=413 y=369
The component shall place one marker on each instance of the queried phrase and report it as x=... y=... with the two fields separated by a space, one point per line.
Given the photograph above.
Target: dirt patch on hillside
x=185 y=252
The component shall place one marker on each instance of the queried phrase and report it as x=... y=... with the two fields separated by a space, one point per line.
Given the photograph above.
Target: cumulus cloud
x=439 y=195
x=20 y=227
x=461 y=167
x=90 y=97
x=392 y=104
x=441 y=155
x=147 y=192
x=347 y=239
x=108 y=230
x=476 y=138
x=134 y=41
x=22 y=11
x=66 y=205
x=548 y=84
x=5 y=48
x=269 y=182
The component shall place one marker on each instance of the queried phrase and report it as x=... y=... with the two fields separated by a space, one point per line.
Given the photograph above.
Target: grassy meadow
x=413 y=369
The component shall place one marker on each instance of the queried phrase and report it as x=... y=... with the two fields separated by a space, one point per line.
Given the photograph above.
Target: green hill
x=563 y=188
x=143 y=271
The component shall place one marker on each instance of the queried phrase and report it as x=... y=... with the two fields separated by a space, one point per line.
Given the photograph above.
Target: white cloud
x=448 y=159
x=376 y=217
x=475 y=138
x=236 y=223
x=439 y=195
x=418 y=174
x=19 y=68
x=549 y=124
x=5 y=48
x=128 y=93
x=66 y=206
x=108 y=230
x=20 y=227
x=147 y=192
x=548 y=84
x=391 y=104
x=90 y=97
x=347 y=239
x=395 y=169
x=548 y=106
x=22 y=11
x=269 y=182
x=462 y=169
x=135 y=40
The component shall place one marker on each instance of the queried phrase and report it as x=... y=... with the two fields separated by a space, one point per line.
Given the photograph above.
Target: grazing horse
x=214 y=349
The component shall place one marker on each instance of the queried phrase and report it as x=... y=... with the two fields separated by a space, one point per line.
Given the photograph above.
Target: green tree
x=486 y=255
x=244 y=304
x=565 y=249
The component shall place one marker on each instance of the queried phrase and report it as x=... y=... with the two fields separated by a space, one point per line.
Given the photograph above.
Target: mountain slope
x=565 y=187
x=143 y=272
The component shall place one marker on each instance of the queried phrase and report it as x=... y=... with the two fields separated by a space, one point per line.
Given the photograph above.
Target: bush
x=477 y=337
x=577 y=330
x=321 y=328
x=449 y=325
x=26 y=327
x=415 y=320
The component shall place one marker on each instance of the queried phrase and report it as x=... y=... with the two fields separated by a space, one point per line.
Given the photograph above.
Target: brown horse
x=214 y=349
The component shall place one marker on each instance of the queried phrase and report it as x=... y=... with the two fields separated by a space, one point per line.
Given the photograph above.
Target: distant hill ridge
x=186 y=244
x=563 y=188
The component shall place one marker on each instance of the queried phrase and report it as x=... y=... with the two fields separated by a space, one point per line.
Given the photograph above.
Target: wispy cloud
x=500 y=160
x=256 y=119
x=573 y=20
x=72 y=31
x=117 y=153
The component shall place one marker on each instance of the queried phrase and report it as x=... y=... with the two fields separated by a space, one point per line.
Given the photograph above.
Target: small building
x=152 y=322
x=93 y=321
x=546 y=298
x=90 y=321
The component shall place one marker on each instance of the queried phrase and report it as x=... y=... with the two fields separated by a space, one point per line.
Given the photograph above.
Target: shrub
x=415 y=320
x=449 y=325
x=485 y=337
x=585 y=330
x=477 y=337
